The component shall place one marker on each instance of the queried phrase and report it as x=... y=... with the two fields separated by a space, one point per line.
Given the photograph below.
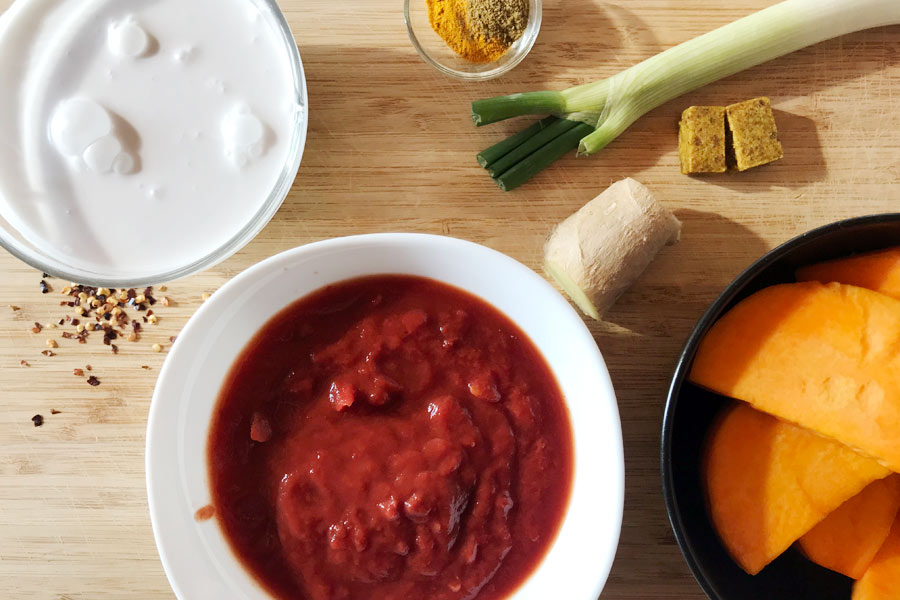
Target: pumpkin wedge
x=878 y=271
x=768 y=482
x=881 y=581
x=826 y=357
x=847 y=540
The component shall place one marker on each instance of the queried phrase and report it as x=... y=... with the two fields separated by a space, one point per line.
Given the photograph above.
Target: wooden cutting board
x=391 y=148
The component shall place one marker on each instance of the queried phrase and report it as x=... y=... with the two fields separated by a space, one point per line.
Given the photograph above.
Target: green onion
x=501 y=149
x=535 y=142
x=535 y=162
x=610 y=106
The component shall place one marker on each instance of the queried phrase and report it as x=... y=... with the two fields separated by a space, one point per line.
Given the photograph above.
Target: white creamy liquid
x=138 y=136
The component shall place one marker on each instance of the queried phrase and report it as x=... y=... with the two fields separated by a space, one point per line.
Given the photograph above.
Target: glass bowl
x=438 y=54
x=57 y=264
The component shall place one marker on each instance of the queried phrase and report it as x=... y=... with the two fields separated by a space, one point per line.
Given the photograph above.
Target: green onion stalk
x=603 y=110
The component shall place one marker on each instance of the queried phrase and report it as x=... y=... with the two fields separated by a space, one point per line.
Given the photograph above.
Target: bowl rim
x=275 y=196
x=614 y=482
x=529 y=37
x=686 y=357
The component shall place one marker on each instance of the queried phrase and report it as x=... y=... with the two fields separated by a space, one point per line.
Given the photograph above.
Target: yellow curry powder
x=448 y=19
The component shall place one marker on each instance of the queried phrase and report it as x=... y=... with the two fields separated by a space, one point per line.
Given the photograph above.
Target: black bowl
x=690 y=411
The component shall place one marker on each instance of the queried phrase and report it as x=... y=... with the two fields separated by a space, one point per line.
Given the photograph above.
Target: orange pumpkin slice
x=848 y=539
x=826 y=357
x=881 y=580
x=878 y=271
x=768 y=482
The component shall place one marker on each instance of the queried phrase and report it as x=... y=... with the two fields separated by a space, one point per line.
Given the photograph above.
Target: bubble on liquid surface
x=127 y=39
x=76 y=124
x=100 y=156
x=243 y=134
x=123 y=164
x=185 y=55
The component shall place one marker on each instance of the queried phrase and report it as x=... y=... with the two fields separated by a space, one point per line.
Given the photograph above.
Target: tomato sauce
x=390 y=437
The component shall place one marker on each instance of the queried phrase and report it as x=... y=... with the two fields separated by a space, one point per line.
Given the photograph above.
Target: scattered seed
x=157 y=348
x=78 y=372
x=52 y=325
x=93 y=381
x=103 y=292
x=48 y=353
x=132 y=337
x=66 y=291
x=166 y=301
x=79 y=310
x=79 y=328
x=153 y=319
x=38 y=420
x=173 y=338
x=163 y=288
x=52 y=344
x=140 y=299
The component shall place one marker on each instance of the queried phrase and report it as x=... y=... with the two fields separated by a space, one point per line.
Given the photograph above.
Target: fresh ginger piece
x=878 y=271
x=769 y=481
x=598 y=252
x=881 y=581
x=701 y=140
x=847 y=540
x=753 y=133
x=822 y=356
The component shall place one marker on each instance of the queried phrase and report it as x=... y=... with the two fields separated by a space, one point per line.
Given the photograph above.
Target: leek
x=610 y=106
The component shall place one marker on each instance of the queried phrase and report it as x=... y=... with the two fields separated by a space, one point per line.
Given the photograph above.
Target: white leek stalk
x=612 y=105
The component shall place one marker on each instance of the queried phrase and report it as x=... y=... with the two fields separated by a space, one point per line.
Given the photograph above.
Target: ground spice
x=450 y=20
x=503 y=20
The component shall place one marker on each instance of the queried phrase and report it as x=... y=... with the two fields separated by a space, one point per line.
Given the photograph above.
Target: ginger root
x=598 y=252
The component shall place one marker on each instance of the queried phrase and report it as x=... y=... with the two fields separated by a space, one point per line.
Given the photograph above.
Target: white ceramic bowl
x=196 y=556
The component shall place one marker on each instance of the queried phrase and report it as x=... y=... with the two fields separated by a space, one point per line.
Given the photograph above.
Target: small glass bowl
x=438 y=54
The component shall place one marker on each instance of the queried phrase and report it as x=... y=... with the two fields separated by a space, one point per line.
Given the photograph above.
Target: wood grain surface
x=391 y=148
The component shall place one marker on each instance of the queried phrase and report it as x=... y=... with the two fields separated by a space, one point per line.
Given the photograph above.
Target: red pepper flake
x=48 y=353
x=173 y=338
x=78 y=372
x=205 y=513
x=24 y=363
x=44 y=287
x=145 y=367
x=61 y=322
x=93 y=381
x=38 y=420
x=87 y=368
x=37 y=327
x=115 y=349
x=76 y=322
x=68 y=335
x=53 y=411
x=14 y=308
